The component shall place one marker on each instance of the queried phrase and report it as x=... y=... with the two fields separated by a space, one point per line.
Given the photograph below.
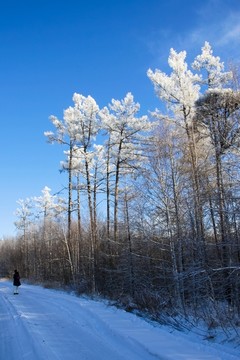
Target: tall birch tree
x=124 y=130
x=79 y=127
x=180 y=90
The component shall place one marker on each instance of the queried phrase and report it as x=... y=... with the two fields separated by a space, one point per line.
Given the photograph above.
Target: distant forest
x=150 y=213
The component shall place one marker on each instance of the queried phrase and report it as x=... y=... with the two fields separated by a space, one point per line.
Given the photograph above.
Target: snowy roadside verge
x=64 y=326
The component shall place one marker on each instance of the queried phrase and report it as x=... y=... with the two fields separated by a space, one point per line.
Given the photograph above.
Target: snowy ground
x=42 y=324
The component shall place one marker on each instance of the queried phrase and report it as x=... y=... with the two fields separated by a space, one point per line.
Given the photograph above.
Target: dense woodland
x=150 y=213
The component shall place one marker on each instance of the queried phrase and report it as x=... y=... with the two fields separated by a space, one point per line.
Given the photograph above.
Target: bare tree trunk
x=108 y=192
x=130 y=254
x=177 y=265
x=70 y=191
x=79 y=226
x=95 y=237
x=25 y=251
x=198 y=211
x=176 y=274
x=214 y=226
x=90 y=207
x=70 y=260
x=116 y=193
x=222 y=217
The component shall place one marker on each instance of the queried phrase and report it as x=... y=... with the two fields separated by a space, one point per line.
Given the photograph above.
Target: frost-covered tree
x=218 y=110
x=124 y=144
x=77 y=167
x=49 y=205
x=78 y=128
x=218 y=117
x=25 y=215
x=212 y=68
x=209 y=114
x=88 y=180
x=85 y=113
x=180 y=90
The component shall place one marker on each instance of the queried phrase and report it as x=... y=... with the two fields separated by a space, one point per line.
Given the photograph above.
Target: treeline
x=152 y=207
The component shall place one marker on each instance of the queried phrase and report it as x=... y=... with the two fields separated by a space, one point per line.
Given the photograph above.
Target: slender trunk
x=69 y=225
x=90 y=206
x=95 y=240
x=116 y=206
x=178 y=265
x=110 y=261
x=221 y=206
x=177 y=286
x=95 y=205
x=70 y=261
x=79 y=209
x=108 y=194
x=25 y=251
x=223 y=223
x=214 y=226
x=177 y=218
x=79 y=227
x=70 y=192
x=131 y=270
x=198 y=211
x=116 y=193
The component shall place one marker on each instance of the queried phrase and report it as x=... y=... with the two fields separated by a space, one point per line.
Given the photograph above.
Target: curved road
x=42 y=324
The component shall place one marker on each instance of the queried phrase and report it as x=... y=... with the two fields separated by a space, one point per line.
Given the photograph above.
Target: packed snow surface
x=43 y=324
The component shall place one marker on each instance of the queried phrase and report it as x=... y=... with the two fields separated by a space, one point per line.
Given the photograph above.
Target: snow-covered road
x=42 y=324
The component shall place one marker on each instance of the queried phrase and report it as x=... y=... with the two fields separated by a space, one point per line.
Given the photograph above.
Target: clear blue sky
x=53 y=48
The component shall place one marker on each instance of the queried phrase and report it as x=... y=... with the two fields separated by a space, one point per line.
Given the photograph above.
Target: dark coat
x=16 y=279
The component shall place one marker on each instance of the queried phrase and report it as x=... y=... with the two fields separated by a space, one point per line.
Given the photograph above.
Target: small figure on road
x=16 y=282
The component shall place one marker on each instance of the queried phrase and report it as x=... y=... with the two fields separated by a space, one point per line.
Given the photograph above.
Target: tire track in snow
x=16 y=339
x=56 y=326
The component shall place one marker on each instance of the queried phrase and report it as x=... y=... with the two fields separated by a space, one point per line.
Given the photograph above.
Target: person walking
x=16 y=282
